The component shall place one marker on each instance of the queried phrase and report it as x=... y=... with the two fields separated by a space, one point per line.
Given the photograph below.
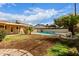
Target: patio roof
x=8 y=23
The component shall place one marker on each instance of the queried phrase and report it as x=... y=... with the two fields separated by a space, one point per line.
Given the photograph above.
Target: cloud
x=3 y=19
x=9 y=16
x=2 y=4
x=8 y=4
x=64 y=11
x=35 y=15
x=38 y=15
x=13 y=4
x=39 y=10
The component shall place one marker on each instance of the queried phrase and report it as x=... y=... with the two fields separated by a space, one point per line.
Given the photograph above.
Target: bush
x=2 y=34
x=30 y=29
x=26 y=31
x=73 y=51
x=58 y=50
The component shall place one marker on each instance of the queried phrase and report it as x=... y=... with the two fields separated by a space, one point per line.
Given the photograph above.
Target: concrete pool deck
x=56 y=34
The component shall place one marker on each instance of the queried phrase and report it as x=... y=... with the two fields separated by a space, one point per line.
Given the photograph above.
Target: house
x=39 y=27
x=49 y=28
x=12 y=28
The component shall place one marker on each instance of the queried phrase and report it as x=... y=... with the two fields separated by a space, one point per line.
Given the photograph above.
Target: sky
x=35 y=13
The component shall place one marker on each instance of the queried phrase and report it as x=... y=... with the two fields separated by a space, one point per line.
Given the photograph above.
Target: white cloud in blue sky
x=36 y=15
x=33 y=15
x=3 y=4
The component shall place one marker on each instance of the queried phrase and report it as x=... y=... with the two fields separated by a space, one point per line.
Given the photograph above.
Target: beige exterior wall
x=11 y=29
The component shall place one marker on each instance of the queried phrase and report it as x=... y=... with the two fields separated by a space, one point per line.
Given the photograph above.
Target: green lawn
x=15 y=37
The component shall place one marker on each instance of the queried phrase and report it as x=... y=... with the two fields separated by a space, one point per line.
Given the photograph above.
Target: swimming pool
x=46 y=33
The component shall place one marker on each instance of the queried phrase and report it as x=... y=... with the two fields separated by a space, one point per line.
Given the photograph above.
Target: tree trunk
x=71 y=29
x=0 y=40
x=29 y=32
x=73 y=33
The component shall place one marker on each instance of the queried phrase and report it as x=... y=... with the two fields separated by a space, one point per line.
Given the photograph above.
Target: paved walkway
x=14 y=52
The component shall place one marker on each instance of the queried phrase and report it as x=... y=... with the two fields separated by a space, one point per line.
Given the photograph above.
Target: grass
x=15 y=37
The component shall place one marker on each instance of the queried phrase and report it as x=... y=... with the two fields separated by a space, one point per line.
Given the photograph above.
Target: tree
x=2 y=34
x=30 y=29
x=59 y=21
x=69 y=21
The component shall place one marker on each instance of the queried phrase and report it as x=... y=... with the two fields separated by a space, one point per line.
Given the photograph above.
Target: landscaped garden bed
x=35 y=44
x=39 y=45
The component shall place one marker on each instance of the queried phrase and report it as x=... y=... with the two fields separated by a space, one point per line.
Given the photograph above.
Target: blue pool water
x=46 y=33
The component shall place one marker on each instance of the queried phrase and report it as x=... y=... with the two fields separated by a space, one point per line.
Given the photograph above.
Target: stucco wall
x=7 y=28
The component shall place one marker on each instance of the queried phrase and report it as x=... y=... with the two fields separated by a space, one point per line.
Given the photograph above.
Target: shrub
x=26 y=31
x=73 y=51
x=58 y=50
x=2 y=34
x=30 y=29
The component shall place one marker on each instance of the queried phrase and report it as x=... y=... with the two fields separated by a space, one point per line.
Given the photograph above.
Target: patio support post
x=4 y=27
